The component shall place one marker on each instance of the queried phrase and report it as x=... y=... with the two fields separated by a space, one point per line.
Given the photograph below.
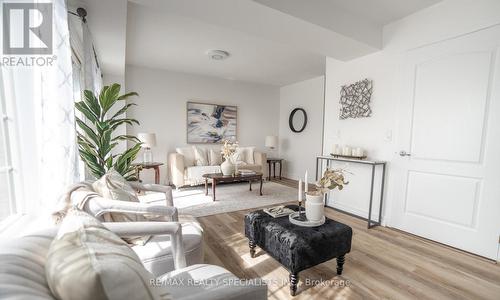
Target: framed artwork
x=211 y=123
x=355 y=100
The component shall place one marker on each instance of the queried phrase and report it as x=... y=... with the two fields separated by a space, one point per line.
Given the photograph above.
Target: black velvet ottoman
x=297 y=248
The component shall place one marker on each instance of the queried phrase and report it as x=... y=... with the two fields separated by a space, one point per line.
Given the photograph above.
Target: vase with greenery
x=227 y=151
x=96 y=138
x=332 y=179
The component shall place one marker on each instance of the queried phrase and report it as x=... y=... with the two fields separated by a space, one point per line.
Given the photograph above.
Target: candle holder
x=302 y=216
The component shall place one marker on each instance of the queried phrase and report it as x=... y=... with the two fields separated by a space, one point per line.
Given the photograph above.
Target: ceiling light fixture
x=217 y=54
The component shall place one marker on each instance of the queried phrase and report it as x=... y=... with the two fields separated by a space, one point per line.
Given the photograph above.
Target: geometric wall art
x=211 y=123
x=355 y=100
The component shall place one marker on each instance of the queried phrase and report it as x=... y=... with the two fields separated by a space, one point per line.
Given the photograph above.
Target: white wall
x=162 y=107
x=377 y=134
x=299 y=150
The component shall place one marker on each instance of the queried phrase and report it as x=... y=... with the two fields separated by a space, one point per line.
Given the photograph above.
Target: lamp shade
x=272 y=141
x=148 y=139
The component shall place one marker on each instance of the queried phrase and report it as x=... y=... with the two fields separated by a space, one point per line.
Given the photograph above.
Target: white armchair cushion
x=22 y=267
x=157 y=256
x=200 y=156
x=87 y=261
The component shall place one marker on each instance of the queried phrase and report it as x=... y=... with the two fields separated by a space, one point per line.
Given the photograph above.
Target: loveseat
x=187 y=164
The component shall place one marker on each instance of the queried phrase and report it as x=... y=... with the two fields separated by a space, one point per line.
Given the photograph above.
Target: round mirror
x=297 y=120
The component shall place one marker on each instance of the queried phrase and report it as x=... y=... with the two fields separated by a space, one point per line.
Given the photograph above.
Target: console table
x=373 y=165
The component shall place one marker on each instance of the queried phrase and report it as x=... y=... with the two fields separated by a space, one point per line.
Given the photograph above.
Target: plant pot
x=315 y=208
x=227 y=168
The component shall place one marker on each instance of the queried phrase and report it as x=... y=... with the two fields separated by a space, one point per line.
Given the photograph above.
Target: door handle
x=404 y=153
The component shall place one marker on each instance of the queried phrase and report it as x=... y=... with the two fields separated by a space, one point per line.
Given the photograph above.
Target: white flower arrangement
x=332 y=178
x=228 y=149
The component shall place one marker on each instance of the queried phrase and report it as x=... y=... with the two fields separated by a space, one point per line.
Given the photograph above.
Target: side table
x=273 y=162
x=151 y=165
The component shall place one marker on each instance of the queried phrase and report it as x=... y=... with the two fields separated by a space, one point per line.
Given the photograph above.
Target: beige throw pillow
x=87 y=261
x=200 y=156
x=113 y=186
x=215 y=158
x=239 y=157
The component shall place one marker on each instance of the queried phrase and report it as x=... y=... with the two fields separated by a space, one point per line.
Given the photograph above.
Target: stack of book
x=246 y=172
x=278 y=211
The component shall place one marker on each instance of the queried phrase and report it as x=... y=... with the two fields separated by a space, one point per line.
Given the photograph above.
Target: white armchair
x=22 y=266
x=157 y=253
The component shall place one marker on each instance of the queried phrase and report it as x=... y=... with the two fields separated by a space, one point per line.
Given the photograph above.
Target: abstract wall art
x=355 y=100
x=211 y=123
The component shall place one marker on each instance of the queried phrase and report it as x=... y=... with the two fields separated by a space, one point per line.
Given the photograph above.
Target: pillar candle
x=300 y=190
x=306 y=187
x=346 y=151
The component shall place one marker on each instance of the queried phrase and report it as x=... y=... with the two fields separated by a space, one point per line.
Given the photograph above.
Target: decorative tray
x=348 y=156
x=293 y=217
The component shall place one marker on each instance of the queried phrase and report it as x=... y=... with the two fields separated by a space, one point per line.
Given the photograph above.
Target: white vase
x=315 y=208
x=227 y=168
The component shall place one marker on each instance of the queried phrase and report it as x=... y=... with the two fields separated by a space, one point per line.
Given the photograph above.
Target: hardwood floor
x=383 y=264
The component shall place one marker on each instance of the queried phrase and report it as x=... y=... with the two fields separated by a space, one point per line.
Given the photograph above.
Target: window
x=7 y=194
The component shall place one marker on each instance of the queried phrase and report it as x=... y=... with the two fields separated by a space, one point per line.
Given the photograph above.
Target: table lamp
x=148 y=141
x=272 y=141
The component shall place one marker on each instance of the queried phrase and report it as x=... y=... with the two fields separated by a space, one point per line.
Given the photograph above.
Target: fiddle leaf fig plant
x=96 y=139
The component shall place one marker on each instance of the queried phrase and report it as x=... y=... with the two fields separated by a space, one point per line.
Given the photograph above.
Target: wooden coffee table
x=220 y=178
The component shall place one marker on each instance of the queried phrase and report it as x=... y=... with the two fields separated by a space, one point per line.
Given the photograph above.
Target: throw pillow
x=249 y=155
x=200 y=156
x=239 y=157
x=87 y=261
x=215 y=158
x=188 y=154
x=113 y=186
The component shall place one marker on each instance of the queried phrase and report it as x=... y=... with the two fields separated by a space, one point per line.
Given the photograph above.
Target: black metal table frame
x=373 y=164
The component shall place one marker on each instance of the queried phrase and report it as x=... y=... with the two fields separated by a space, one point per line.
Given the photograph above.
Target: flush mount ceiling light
x=217 y=54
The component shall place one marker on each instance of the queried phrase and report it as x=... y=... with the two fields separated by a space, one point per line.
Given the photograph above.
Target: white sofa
x=183 y=170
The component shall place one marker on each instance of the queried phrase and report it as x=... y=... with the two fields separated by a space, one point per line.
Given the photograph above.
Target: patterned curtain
x=55 y=116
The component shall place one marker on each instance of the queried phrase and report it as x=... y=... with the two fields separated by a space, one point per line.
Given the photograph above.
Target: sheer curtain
x=55 y=116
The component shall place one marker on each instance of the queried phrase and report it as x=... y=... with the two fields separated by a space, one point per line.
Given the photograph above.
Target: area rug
x=231 y=197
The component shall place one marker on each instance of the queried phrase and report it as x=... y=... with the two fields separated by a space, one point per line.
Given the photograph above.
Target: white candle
x=300 y=190
x=306 y=185
x=346 y=151
x=336 y=149
x=358 y=152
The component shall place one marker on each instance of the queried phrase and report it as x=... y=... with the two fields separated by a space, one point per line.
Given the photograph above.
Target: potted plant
x=227 y=151
x=332 y=178
x=96 y=139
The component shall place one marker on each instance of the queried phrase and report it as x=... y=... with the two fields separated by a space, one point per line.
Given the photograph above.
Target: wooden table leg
x=251 y=244
x=274 y=169
x=214 y=183
x=340 y=264
x=294 y=279
x=261 y=186
x=250 y=182
x=281 y=164
x=269 y=171
x=157 y=175
x=206 y=186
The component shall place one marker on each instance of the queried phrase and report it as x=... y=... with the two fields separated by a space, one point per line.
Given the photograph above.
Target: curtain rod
x=80 y=12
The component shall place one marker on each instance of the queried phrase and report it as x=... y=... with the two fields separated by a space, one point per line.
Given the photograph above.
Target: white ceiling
x=379 y=12
x=274 y=42
x=158 y=39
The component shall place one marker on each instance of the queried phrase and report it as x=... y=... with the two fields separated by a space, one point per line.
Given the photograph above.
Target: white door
x=448 y=171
